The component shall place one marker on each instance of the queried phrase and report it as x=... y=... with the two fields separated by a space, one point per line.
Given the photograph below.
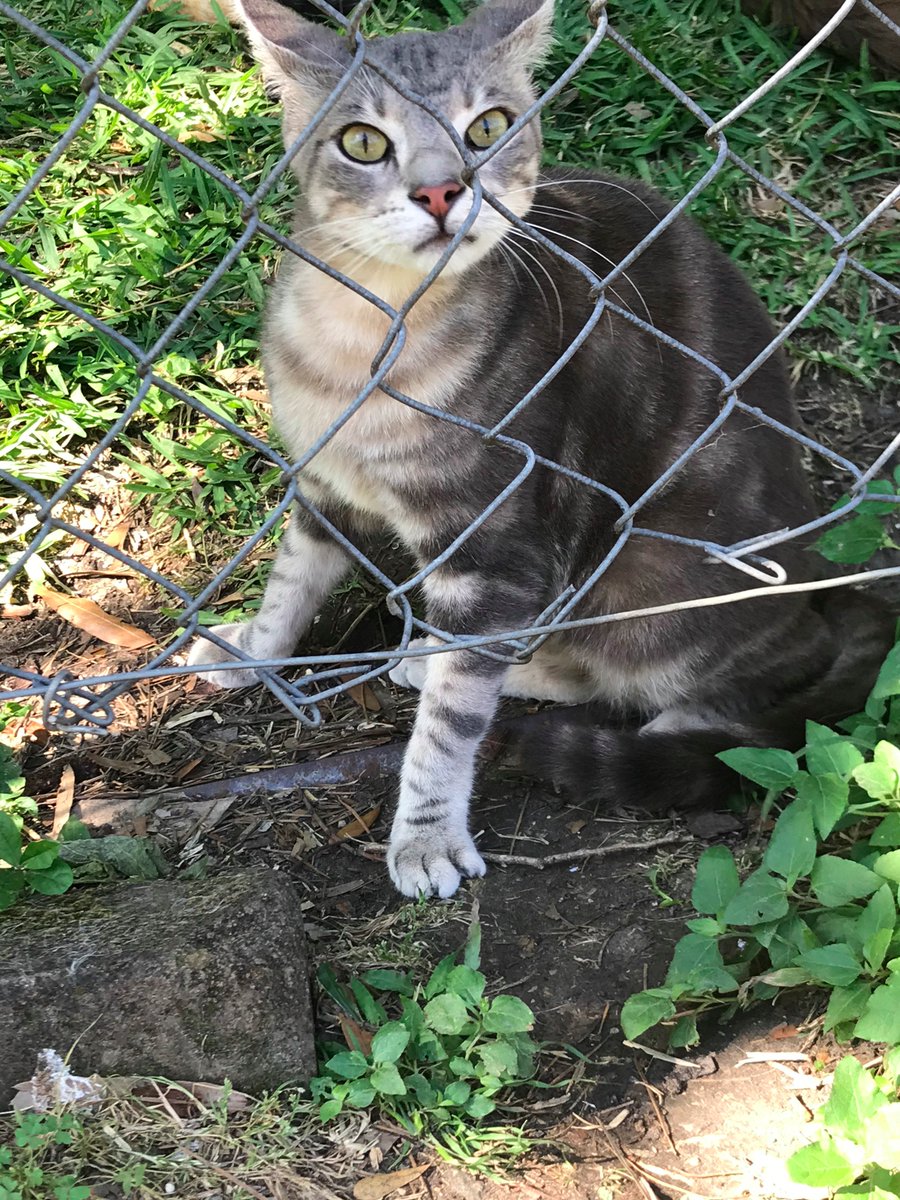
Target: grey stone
x=201 y=980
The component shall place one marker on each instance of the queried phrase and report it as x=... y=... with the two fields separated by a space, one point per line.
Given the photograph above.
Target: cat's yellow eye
x=364 y=143
x=485 y=130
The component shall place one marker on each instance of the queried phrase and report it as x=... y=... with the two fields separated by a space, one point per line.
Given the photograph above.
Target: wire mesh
x=88 y=704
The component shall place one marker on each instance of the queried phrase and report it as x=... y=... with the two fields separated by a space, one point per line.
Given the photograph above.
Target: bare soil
x=573 y=940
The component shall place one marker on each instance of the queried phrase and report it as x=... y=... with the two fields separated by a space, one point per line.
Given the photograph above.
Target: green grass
x=129 y=230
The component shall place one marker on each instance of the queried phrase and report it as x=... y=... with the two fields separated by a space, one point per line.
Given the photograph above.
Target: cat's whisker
x=563 y=183
x=568 y=237
x=514 y=258
x=534 y=258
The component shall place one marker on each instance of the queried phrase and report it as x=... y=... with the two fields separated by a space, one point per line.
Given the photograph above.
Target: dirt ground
x=573 y=940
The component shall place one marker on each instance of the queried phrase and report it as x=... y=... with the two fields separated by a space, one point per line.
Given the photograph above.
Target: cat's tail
x=658 y=768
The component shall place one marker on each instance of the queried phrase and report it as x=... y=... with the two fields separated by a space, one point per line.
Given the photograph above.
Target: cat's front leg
x=307 y=567
x=431 y=848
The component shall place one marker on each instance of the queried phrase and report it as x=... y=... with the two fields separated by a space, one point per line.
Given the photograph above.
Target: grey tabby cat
x=381 y=196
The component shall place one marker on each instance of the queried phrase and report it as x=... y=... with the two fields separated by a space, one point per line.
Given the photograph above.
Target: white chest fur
x=323 y=339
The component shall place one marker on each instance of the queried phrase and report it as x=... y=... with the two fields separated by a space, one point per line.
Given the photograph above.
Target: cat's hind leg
x=308 y=566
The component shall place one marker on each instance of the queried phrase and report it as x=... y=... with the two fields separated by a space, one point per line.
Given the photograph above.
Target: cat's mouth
x=440 y=241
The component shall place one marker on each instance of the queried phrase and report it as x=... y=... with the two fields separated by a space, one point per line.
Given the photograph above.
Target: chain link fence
x=87 y=705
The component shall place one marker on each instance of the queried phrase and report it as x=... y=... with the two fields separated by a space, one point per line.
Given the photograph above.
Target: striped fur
x=624 y=408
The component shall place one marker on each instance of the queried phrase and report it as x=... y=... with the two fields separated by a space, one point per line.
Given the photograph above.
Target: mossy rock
x=201 y=980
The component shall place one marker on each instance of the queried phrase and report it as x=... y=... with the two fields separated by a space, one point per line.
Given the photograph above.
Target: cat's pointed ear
x=519 y=31
x=292 y=51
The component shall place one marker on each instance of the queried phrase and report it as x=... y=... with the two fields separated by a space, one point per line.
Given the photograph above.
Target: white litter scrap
x=53 y=1085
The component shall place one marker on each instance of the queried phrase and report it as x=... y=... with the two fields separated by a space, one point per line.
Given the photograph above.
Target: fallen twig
x=378 y=849
x=570 y=856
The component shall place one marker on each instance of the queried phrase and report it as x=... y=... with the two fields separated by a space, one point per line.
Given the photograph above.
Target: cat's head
x=381 y=179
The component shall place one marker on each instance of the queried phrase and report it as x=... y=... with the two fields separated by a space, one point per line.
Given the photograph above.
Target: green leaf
x=421 y=1088
x=880 y=1021
x=854 y=1098
x=384 y=980
x=716 y=881
x=446 y=1014
x=133 y=857
x=828 y=794
x=386 y=1080
x=12 y=884
x=328 y=982
x=10 y=840
x=888 y=866
x=890 y=1067
x=438 y=981
x=887 y=832
x=769 y=768
x=880 y=913
x=882 y=1139
x=349 y=1064
x=413 y=1017
x=389 y=1042
x=697 y=964
x=472 y=950
x=836 y=881
x=836 y=965
x=37 y=856
x=761 y=898
x=361 y=1093
x=785 y=977
x=329 y=1110
x=480 y=1106
x=791 y=851
x=508 y=1014
x=875 y=948
x=821 y=1165
x=847 y=1003
x=466 y=983
x=457 y=1093
x=369 y=1007
x=645 y=1009
x=828 y=753
x=684 y=1033
x=879 y=778
x=52 y=881
x=499 y=1058
x=74 y=831
x=888 y=681
x=854 y=540
x=706 y=926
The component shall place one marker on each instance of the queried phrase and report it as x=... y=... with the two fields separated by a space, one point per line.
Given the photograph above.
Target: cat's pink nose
x=437 y=199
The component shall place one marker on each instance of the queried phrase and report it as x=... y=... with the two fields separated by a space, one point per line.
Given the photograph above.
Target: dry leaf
x=200 y=133
x=376 y=1187
x=189 y=766
x=155 y=756
x=364 y=697
x=576 y=826
x=780 y=1032
x=86 y=615
x=355 y=1036
x=358 y=826
x=65 y=794
x=116 y=536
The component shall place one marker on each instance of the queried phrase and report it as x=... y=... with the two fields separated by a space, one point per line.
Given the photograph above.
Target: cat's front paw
x=432 y=863
x=411 y=672
x=204 y=651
